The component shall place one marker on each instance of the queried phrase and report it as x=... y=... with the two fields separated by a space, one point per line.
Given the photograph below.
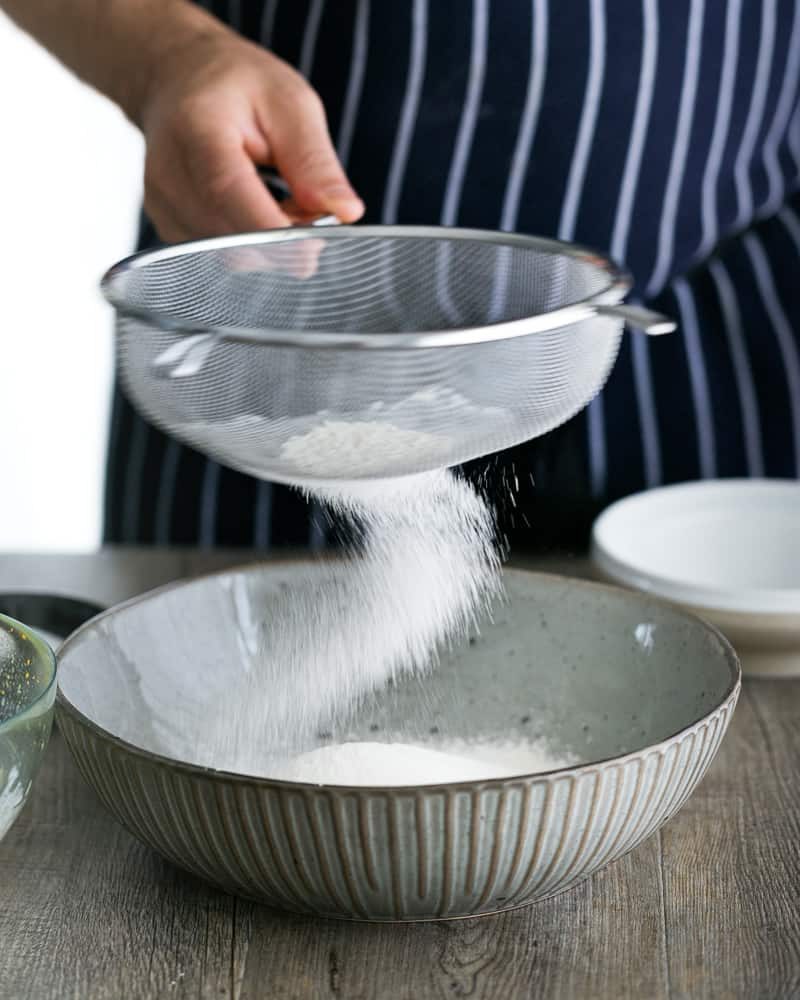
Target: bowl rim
x=49 y=656
x=772 y=601
x=728 y=700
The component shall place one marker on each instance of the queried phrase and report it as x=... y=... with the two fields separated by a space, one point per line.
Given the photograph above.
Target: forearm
x=116 y=46
x=211 y=106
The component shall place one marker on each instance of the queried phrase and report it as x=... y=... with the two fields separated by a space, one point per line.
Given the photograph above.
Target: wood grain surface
x=710 y=908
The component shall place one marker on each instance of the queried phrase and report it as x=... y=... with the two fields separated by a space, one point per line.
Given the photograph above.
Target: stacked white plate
x=727 y=550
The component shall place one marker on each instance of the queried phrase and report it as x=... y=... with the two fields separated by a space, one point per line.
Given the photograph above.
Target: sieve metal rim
x=619 y=283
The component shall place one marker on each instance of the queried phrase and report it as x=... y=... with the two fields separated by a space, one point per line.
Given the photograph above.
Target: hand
x=215 y=107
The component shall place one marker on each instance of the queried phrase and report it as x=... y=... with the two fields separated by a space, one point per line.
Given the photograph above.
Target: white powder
x=392 y=764
x=380 y=764
x=423 y=430
x=428 y=569
x=361 y=447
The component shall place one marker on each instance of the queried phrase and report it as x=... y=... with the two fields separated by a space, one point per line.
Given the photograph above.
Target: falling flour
x=428 y=569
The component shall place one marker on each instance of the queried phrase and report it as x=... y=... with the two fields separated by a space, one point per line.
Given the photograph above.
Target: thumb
x=303 y=152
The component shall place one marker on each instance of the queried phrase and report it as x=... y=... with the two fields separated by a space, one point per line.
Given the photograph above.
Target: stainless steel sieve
x=461 y=342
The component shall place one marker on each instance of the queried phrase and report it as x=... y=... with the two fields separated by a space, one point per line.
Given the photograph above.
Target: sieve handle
x=639 y=318
x=281 y=191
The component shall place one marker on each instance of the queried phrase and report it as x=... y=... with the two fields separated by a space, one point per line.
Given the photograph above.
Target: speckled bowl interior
x=592 y=671
x=27 y=694
x=636 y=693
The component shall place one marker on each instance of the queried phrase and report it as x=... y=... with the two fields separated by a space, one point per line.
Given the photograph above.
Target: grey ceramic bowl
x=27 y=694
x=637 y=693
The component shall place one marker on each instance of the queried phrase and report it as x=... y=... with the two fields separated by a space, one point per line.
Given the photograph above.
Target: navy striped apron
x=665 y=132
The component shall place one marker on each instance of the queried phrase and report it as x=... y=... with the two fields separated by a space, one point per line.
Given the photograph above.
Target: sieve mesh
x=238 y=346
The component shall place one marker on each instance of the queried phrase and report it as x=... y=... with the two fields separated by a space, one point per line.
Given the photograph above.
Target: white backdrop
x=70 y=178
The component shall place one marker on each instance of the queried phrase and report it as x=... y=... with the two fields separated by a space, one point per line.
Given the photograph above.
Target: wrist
x=158 y=44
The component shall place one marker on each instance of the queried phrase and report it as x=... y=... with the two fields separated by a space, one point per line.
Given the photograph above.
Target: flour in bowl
x=393 y=764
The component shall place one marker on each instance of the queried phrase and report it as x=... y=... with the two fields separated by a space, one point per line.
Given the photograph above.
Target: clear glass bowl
x=27 y=696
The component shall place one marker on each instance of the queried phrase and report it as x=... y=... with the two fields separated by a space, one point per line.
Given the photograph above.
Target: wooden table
x=709 y=907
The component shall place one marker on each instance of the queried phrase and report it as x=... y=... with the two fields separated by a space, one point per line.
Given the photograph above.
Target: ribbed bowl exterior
x=397 y=854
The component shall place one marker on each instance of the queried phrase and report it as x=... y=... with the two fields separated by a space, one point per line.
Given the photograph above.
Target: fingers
x=206 y=135
x=234 y=194
x=303 y=152
x=188 y=202
x=200 y=182
x=225 y=180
